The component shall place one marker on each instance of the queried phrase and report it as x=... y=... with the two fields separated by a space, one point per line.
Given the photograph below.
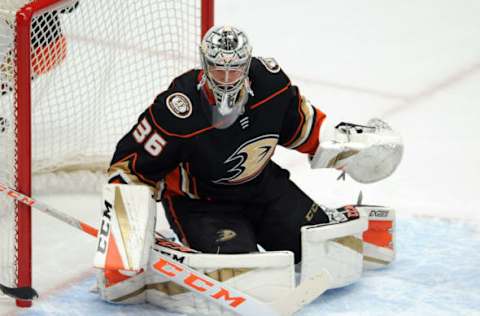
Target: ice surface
x=434 y=274
x=414 y=63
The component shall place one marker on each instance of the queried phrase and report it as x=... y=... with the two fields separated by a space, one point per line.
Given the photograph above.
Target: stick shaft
x=72 y=221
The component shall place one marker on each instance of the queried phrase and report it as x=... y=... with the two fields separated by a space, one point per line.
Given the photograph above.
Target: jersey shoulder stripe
x=177 y=112
x=259 y=103
x=264 y=82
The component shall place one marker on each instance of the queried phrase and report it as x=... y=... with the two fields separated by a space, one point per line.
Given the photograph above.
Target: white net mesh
x=8 y=215
x=96 y=65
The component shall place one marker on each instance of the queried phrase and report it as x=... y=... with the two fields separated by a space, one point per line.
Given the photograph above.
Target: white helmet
x=226 y=55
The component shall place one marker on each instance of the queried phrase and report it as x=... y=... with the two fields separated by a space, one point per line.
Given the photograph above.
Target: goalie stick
x=303 y=294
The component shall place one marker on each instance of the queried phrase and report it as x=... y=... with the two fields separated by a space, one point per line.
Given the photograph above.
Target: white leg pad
x=129 y=291
x=379 y=239
x=265 y=276
x=337 y=248
x=126 y=231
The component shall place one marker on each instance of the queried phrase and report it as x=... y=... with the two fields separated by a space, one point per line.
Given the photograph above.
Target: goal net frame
x=22 y=90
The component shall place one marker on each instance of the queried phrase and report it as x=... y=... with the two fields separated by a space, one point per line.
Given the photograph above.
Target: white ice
x=414 y=63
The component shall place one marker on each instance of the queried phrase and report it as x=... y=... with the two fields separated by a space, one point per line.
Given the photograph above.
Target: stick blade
x=19 y=293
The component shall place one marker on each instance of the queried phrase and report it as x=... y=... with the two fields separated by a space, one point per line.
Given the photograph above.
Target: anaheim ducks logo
x=250 y=159
x=225 y=235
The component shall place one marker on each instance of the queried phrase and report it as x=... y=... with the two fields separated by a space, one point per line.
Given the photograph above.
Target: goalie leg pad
x=379 y=239
x=265 y=276
x=121 y=287
x=126 y=231
x=337 y=248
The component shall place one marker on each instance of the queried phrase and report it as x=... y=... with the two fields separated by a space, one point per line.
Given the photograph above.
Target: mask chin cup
x=226 y=104
x=231 y=106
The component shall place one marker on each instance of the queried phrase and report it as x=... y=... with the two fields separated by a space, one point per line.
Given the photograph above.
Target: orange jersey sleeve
x=301 y=125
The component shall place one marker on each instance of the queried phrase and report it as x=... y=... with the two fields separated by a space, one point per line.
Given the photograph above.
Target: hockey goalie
x=204 y=148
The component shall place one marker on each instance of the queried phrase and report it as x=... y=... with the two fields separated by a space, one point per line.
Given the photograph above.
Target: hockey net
x=74 y=76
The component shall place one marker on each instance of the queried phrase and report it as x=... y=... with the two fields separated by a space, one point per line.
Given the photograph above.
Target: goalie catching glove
x=367 y=153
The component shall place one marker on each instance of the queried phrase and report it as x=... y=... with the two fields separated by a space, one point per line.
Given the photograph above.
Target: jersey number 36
x=154 y=143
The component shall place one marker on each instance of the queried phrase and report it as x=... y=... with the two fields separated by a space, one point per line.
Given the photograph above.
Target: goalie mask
x=226 y=55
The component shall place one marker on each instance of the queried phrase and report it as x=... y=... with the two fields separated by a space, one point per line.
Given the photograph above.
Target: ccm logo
x=104 y=229
x=173 y=256
x=196 y=283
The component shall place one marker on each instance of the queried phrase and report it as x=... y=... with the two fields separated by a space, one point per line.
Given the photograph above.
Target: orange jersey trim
x=172 y=181
x=173 y=213
x=311 y=144
x=193 y=180
x=253 y=106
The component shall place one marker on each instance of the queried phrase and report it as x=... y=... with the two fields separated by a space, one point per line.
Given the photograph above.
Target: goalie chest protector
x=175 y=141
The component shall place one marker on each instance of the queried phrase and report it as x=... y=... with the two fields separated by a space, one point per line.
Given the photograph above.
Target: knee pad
x=379 y=239
x=336 y=248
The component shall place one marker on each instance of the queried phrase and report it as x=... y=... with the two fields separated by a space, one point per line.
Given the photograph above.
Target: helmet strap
x=248 y=87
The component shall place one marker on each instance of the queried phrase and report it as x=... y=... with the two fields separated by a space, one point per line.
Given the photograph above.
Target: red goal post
x=46 y=90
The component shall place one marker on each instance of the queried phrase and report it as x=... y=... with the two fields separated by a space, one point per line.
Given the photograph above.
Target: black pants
x=272 y=219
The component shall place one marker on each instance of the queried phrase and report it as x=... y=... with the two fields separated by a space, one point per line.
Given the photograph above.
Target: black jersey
x=175 y=148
